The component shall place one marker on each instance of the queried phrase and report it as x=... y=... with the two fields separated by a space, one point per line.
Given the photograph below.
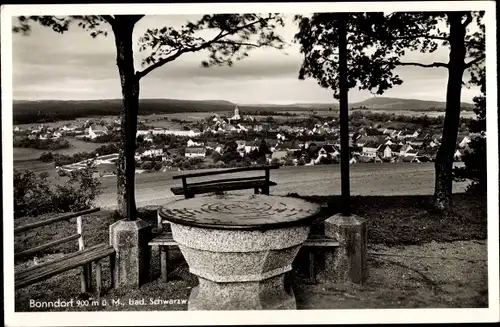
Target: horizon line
x=279 y=103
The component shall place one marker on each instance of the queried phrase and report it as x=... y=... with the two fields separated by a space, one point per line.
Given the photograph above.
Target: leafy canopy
x=376 y=44
x=232 y=35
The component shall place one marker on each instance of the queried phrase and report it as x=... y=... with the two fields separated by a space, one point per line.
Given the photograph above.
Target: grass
x=392 y=221
x=410 y=220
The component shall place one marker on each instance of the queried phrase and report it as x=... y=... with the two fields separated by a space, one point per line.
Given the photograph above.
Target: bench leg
x=83 y=278
x=163 y=262
x=256 y=190
x=312 y=270
x=88 y=267
x=265 y=190
x=112 y=260
x=98 y=279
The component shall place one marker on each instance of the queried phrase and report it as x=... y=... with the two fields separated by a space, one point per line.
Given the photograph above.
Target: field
x=28 y=154
x=365 y=179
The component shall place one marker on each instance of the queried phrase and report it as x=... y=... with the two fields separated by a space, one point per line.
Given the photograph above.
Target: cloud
x=47 y=65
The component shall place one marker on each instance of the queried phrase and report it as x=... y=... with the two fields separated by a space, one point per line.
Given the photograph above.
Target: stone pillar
x=348 y=262
x=130 y=240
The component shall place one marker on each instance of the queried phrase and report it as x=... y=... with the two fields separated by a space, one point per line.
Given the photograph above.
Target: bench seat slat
x=45 y=246
x=68 y=262
x=228 y=180
x=215 y=186
x=321 y=242
x=164 y=239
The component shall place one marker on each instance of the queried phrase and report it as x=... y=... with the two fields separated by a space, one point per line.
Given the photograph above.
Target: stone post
x=348 y=262
x=130 y=240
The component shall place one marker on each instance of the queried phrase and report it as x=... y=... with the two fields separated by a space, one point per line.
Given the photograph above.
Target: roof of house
x=271 y=142
x=195 y=150
x=393 y=147
x=329 y=148
x=288 y=145
x=367 y=138
x=371 y=144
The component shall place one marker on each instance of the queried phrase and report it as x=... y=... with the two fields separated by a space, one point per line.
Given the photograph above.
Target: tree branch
x=474 y=61
x=216 y=39
x=434 y=64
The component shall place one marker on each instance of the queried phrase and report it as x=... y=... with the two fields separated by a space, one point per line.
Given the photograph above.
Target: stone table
x=240 y=247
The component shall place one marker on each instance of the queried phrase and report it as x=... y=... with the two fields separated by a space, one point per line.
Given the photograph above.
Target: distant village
x=287 y=145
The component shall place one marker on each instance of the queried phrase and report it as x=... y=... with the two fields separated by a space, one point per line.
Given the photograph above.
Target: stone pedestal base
x=240 y=269
x=268 y=294
x=348 y=262
x=130 y=240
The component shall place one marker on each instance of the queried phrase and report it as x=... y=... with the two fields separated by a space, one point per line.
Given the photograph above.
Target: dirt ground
x=432 y=275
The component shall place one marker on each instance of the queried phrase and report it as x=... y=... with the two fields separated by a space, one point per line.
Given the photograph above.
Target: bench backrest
x=78 y=236
x=187 y=193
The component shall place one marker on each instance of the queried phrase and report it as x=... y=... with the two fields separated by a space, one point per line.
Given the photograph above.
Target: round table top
x=254 y=211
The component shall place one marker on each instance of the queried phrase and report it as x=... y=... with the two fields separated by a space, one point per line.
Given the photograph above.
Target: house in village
x=68 y=129
x=370 y=148
x=251 y=146
x=325 y=151
x=142 y=131
x=464 y=142
x=279 y=154
x=211 y=145
x=96 y=131
x=149 y=138
x=271 y=144
x=157 y=131
x=418 y=141
x=361 y=141
x=191 y=143
x=389 y=151
x=236 y=117
x=195 y=152
x=405 y=149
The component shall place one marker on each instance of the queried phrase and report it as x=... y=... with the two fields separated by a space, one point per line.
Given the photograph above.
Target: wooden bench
x=260 y=184
x=83 y=258
x=165 y=240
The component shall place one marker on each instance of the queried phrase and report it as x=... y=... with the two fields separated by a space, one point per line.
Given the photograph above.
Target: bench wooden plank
x=321 y=242
x=165 y=239
x=55 y=267
x=54 y=220
x=228 y=180
x=208 y=188
x=45 y=246
x=225 y=171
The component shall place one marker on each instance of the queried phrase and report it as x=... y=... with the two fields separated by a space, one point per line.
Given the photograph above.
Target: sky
x=75 y=66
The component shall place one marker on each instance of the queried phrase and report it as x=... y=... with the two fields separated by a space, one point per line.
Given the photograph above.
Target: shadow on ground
x=417 y=258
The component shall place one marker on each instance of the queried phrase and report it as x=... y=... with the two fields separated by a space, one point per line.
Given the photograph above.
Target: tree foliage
x=35 y=194
x=377 y=43
x=233 y=36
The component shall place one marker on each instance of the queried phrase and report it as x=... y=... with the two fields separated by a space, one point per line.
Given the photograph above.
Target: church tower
x=236 y=113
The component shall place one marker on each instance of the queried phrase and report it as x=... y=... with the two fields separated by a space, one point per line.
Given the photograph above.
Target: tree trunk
x=130 y=106
x=344 y=119
x=444 y=157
